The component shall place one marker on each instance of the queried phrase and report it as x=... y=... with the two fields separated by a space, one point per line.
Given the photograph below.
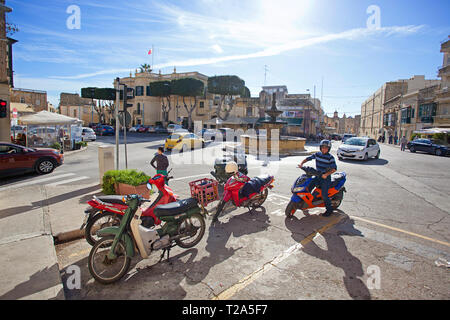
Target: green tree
x=145 y=68
x=188 y=88
x=228 y=87
x=163 y=90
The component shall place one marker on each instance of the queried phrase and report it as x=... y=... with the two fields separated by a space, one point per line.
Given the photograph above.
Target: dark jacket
x=162 y=163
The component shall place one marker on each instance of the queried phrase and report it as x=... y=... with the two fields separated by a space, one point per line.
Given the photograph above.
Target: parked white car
x=171 y=128
x=359 y=148
x=88 y=134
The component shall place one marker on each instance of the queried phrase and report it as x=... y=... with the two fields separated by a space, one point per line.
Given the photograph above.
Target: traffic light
x=129 y=95
x=3 y=109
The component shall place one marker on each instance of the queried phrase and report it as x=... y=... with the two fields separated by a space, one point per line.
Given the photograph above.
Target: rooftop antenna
x=265 y=73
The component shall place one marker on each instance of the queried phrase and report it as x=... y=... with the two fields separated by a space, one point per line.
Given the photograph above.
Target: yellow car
x=183 y=141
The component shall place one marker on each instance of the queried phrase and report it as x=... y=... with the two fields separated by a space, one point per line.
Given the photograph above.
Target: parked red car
x=15 y=159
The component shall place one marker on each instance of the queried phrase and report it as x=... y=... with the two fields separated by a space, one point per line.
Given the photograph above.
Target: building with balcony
x=381 y=113
x=442 y=99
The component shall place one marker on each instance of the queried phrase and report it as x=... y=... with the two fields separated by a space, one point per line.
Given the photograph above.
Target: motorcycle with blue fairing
x=305 y=195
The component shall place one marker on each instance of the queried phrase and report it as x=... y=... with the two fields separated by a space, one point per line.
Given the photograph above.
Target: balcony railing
x=444 y=69
x=427 y=119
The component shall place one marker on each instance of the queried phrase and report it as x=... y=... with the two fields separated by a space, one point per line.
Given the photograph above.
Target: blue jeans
x=324 y=185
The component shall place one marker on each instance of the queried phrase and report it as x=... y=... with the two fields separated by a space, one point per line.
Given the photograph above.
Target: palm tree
x=145 y=68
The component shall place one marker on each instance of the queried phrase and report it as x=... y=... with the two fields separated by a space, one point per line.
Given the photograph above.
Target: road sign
x=127 y=118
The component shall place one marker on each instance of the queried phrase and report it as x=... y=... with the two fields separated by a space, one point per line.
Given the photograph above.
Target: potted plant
x=125 y=182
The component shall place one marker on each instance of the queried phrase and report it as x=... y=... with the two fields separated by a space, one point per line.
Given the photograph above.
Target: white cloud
x=217 y=48
x=353 y=34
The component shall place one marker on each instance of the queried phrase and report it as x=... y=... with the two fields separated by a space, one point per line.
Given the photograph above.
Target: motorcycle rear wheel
x=337 y=200
x=194 y=231
x=109 y=219
x=263 y=196
x=104 y=270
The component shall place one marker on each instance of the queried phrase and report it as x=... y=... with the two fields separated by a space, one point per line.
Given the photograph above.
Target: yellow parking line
x=231 y=291
x=402 y=231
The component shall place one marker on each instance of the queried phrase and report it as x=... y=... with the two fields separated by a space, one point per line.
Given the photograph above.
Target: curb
x=68 y=236
x=75 y=151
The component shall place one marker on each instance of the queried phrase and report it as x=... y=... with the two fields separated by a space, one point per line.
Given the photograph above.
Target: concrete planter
x=124 y=189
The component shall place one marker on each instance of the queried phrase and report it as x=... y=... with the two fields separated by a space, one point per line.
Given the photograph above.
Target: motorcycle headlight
x=298 y=189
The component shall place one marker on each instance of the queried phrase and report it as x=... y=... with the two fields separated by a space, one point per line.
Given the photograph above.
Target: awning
x=433 y=130
x=48 y=118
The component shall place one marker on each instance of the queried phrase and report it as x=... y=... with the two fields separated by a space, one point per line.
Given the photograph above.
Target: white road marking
x=36 y=181
x=67 y=181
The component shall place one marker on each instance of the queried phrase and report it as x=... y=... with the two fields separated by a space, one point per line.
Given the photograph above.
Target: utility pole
x=117 y=120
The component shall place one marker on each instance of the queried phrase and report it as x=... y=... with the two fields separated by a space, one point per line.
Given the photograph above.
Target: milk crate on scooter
x=205 y=191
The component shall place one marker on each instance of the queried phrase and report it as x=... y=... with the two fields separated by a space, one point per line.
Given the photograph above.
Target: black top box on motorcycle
x=254 y=185
x=174 y=208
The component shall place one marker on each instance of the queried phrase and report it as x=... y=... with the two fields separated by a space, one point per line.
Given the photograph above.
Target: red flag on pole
x=150 y=51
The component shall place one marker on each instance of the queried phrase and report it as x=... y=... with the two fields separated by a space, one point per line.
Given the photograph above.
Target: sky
x=344 y=49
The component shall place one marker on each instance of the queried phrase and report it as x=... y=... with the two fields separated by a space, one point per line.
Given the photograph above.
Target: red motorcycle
x=109 y=210
x=245 y=192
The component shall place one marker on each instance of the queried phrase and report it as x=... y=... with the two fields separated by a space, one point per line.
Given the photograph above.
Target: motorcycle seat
x=254 y=185
x=112 y=199
x=337 y=178
x=174 y=208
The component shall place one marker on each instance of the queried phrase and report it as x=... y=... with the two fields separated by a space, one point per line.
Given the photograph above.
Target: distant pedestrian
x=403 y=142
x=162 y=162
x=383 y=139
x=390 y=139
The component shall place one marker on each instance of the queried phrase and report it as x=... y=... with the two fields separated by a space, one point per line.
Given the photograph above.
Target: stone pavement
x=29 y=225
x=27 y=254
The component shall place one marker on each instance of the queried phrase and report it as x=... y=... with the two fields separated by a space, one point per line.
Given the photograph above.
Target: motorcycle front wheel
x=291 y=209
x=103 y=269
x=191 y=231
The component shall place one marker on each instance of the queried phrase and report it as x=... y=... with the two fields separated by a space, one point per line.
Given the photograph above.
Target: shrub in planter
x=56 y=146
x=125 y=182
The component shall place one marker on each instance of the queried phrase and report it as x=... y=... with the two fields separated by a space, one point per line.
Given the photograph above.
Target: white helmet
x=231 y=167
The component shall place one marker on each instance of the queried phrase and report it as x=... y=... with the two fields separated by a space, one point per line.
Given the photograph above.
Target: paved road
x=394 y=222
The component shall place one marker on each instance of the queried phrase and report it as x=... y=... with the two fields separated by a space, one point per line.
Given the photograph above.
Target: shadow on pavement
x=38 y=282
x=161 y=281
x=47 y=202
x=337 y=253
x=370 y=162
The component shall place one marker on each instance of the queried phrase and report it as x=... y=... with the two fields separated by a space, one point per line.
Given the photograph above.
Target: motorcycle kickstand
x=168 y=255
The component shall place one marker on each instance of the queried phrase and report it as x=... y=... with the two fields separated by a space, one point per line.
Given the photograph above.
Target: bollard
x=105 y=160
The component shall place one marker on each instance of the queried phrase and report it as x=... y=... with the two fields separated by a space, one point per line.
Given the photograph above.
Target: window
x=202 y=104
x=139 y=91
x=249 y=111
x=7 y=149
x=148 y=91
x=38 y=102
x=427 y=112
x=22 y=100
x=138 y=108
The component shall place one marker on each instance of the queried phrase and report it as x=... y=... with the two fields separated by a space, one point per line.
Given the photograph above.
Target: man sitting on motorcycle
x=326 y=165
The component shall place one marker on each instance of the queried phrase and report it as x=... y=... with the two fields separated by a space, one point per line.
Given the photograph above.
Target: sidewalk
x=27 y=255
x=29 y=225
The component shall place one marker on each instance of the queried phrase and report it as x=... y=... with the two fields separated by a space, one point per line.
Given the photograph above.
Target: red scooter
x=245 y=192
x=108 y=210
